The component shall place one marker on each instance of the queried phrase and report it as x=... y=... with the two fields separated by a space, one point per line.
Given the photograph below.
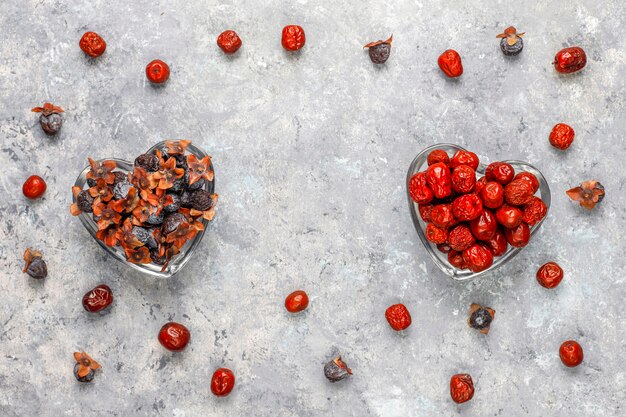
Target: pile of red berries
x=473 y=220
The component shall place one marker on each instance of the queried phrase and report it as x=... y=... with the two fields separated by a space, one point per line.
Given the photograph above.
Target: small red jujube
x=450 y=63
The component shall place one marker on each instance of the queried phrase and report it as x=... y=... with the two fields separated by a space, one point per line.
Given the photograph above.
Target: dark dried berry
x=480 y=318
x=186 y=199
x=336 y=370
x=379 y=51
x=171 y=222
x=37 y=269
x=121 y=189
x=511 y=43
x=92 y=182
x=85 y=201
x=154 y=220
x=51 y=124
x=178 y=186
x=149 y=162
x=202 y=200
x=175 y=205
x=156 y=258
x=86 y=378
x=145 y=236
x=120 y=177
x=197 y=185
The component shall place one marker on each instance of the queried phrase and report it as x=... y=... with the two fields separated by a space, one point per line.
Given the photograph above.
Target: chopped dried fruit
x=589 y=193
x=35 y=266
x=511 y=43
x=85 y=367
x=50 y=119
x=480 y=318
x=398 y=317
x=379 y=51
x=336 y=370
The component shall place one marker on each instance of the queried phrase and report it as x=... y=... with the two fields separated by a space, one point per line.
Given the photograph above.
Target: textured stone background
x=311 y=152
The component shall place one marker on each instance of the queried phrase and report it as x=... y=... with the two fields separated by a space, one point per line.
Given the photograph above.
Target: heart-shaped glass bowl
x=178 y=261
x=419 y=164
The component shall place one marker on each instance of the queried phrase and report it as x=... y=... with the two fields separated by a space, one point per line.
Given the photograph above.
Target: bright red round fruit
x=98 y=299
x=456 y=259
x=157 y=71
x=530 y=178
x=571 y=353
x=442 y=217
x=480 y=184
x=518 y=236
x=425 y=211
x=518 y=192
x=450 y=63
x=34 y=187
x=463 y=179
x=419 y=190
x=174 y=336
x=92 y=44
x=464 y=158
x=570 y=60
x=478 y=257
x=296 y=301
x=509 y=216
x=438 y=155
x=492 y=195
x=398 y=317
x=497 y=243
x=222 y=382
x=467 y=207
x=549 y=275
x=436 y=234
x=534 y=211
x=561 y=136
x=439 y=180
x=461 y=388
x=229 y=41
x=484 y=226
x=500 y=172
x=461 y=238
x=293 y=37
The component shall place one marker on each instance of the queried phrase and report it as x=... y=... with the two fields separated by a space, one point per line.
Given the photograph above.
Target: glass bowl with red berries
x=150 y=214
x=471 y=217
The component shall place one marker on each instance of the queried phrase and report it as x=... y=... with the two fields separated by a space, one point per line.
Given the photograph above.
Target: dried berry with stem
x=588 y=194
x=50 y=119
x=480 y=318
x=199 y=169
x=336 y=370
x=35 y=266
x=102 y=170
x=85 y=367
x=512 y=42
x=379 y=51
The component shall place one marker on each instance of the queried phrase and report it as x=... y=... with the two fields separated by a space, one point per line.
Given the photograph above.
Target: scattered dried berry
x=497 y=243
x=442 y=217
x=460 y=238
x=534 y=211
x=85 y=367
x=157 y=72
x=293 y=38
x=570 y=60
x=222 y=382
x=484 y=226
x=589 y=193
x=425 y=211
x=34 y=187
x=439 y=180
x=530 y=177
x=549 y=275
x=463 y=179
x=480 y=318
x=480 y=184
x=398 y=317
x=174 y=336
x=478 y=257
x=467 y=207
x=98 y=299
x=561 y=136
x=436 y=234
x=571 y=353
x=147 y=161
x=336 y=370
x=456 y=259
x=450 y=63
x=418 y=189
x=35 y=266
x=438 y=155
x=509 y=216
x=500 y=172
x=511 y=43
x=50 y=119
x=229 y=41
x=379 y=51
x=492 y=195
x=518 y=236
x=92 y=44
x=297 y=301
x=461 y=388
x=518 y=192
x=464 y=158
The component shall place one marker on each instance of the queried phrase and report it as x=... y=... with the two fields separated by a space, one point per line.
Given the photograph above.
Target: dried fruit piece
x=229 y=41
x=199 y=169
x=293 y=38
x=98 y=299
x=336 y=370
x=509 y=216
x=139 y=255
x=518 y=192
x=464 y=158
x=50 y=119
x=85 y=367
x=500 y=172
x=442 y=217
x=436 y=234
x=467 y=207
x=456 y=259
x=102 y=171
x=222 y=382
x=511 y=43
x=571 y=353
x=463 y=179
x=92 y=44
x=549 y=275
x=379 y=51
x=177 y=148
x=530 y=178
x=480 y=184
x=157 y=72
x=478 y=257
x=534 y=211
x=35 y=266
x=149 y=162
x=418 y=189
x=174 y=336
x=492 y=195
x=398 y=317
x=34 y=187
x=561 y=136
x=497 y=243
x=518 y=236
x=439 y=180
x=480 y=318
x=450 y=63
x=570 y=60
x=425 y=211
x=438 y=155
x=484 y=226
x=460 y=238
x=297 y=301
x=589 y=193
x=168 y=173
x=461 y=388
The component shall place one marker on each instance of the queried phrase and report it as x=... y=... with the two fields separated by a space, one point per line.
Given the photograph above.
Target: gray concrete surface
x=310 y=153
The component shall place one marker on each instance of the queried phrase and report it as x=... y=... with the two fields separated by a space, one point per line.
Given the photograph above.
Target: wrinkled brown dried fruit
x=480 y=318
x=588 y=194
x=35 y=266
x=336 y=370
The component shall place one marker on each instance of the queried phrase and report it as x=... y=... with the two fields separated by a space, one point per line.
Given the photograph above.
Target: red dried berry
x=509 y=216
x=518 y=236
x=297 y=301
x=174 y=336
x=518 y=192
x=549 y=275
x=571 y=353
x=460 y=238
x=34 y=187
x=456 y=259
x=398 y=317
x=450 y=63
x=534 y=211
x=98 y=299
x=492 y=195
x=418 y=189
x=467 y=207
x=480 y=184
x=425 y=211
x=229 y=41
x=500 y=172
x=293 y=37
x=497 y=244
x=464 y=158
x=463 y=179
x=438 y=155
x=157 y=72
x=561 y=136
x=436 y=234
x=461 y=388
x=484 y=226
x=441 y=216
x=478 y=257
x=92 y=44
x=570 y=60
x=222 y=382
x=438 y=180
x=444 y=247
x=530 y=178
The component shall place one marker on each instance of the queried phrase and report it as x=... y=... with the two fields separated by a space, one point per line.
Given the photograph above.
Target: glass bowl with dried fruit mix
x=471 y=217
x=150 y=214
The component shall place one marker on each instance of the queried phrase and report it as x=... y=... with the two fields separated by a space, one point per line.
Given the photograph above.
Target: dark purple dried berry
x=85 y=201
x=154 y=220
x=181 y=161
x=480 y=317
x=96 y=218
x=149 y=162
x=178 y=186
x=121 y=189
x=201 y=200
x=336 y=370
x=86 y=378
x=51 y=124
x=91 y=182
x=145 y=236
x=186 y=199
x=174 y=206
x=197 y=185
x=120 y=177
x=37 y=269
x=512 y=50
x=379 y=51
x=156 y=258
x=171 y=223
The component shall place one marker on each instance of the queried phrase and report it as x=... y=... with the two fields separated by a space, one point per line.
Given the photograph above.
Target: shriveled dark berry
x=85 y=201
x=51 y=124
x=91 y=182
x=175 y=206
x=178 y=186
x=171 y=222
x=336 y=370
x=121 y=189
x=480 y=317
x=186 y=199
x=145 y=236
x=147 y=161
x=86 y=378
x=154 y=220
x=198 y=185
x=379 y=51
x=37 y=269
x=120 y=177
x=202 y=200
x=512 y=50
x=181 y=161
x=156 y=258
